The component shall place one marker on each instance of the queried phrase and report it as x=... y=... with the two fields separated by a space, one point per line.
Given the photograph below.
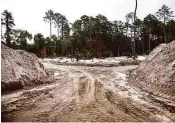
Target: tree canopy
x=88 y=36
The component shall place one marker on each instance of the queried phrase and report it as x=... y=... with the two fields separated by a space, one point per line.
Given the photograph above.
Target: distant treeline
x=92 y=36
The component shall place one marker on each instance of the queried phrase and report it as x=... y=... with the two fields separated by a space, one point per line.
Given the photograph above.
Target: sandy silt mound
x=157 y=72
x=21 y=69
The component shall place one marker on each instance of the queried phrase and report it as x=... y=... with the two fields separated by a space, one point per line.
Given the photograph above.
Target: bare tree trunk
x=127 y=29
x=164 y=30
x=132 y=42
x=164 y=35
x=127 y=32
x=134 y=31
x=149 y=39
x=8 y=34
x=118 y=51
x=62 y=29
x=100 y=47
x=1 y=32
x=50 y=28
x=143 y=47
x=138 y=42
x=58 y=32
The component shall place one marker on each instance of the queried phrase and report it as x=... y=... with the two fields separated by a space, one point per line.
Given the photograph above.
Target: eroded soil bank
x=82 y=93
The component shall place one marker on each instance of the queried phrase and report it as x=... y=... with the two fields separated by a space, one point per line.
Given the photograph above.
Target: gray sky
x=28 y=14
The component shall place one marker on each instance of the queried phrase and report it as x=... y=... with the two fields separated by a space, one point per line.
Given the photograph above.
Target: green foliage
x=7 y=21
x=166 y=14
x=61 y=24
x=39 y=43
x=20 y=38
x=75 y=39
x=49 y=17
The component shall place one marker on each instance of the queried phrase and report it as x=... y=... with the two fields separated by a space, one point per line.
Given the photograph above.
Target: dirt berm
x=21 y=69
x=157 y=73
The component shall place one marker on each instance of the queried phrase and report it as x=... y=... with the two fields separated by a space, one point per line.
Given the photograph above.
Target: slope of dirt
x=21 y=69
x=83 y=93
x=157 y=73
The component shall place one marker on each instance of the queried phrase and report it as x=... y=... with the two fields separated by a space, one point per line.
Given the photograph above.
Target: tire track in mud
x=86 y=88
x=83 y=94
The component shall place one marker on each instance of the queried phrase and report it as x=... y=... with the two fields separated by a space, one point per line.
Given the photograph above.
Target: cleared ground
x=83 y=93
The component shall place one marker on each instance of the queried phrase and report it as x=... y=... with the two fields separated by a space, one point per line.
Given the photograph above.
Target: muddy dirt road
x=81 y=93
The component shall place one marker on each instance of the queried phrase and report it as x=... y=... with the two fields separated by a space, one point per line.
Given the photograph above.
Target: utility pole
x=134 y=31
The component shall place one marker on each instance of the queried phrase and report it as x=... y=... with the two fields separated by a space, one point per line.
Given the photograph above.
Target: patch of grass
x=129 y=62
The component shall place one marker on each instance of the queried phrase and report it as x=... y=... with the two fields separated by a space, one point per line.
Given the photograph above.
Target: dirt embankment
x=21 y=69
x=157 y=73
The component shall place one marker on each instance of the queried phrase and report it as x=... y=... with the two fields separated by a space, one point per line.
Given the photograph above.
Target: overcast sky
x=28 y=14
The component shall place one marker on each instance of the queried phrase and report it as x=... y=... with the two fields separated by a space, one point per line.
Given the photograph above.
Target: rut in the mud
x=83 y=94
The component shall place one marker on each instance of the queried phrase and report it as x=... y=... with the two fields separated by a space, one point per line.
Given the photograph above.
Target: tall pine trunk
x=143 y=51
x=1 y=31
x=7 y=33
x=118 y=50
x=58 y=32
x=132 y=42
x=150 y=39
x=138 y=42
x=50 y=28
x=134 y=31
x=127 y=30
x=164 y=30
x=62 y=29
